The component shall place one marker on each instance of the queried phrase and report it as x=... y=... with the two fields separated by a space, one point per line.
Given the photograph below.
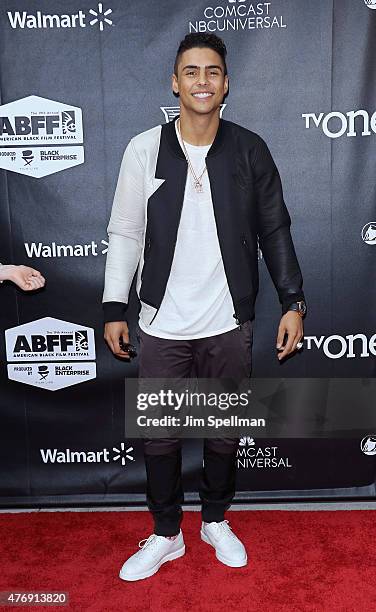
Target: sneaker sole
x=170 y=557
x=221 y=558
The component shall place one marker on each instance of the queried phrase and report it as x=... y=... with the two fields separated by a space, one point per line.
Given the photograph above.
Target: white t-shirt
x=197 y=302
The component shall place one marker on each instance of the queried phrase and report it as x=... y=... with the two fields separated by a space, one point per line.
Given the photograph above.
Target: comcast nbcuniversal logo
x=253 y=456
x=122 y=454
x=40 y=20
x=246 y=441
x=236 y=15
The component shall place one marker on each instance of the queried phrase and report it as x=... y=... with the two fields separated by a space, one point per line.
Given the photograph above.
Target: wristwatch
x=299 y=307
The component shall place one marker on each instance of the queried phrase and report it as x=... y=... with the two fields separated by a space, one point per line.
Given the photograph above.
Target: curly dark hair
x=198 y=39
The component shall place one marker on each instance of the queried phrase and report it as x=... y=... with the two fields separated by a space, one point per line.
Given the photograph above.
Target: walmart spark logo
x=100 y=17
x=122 y=453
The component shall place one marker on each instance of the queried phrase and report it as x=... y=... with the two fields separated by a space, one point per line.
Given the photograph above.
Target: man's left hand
x=291 y=324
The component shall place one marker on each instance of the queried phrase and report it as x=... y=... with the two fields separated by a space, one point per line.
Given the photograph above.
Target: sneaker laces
x=150 y=541
x=225 y=527
x=147 y=541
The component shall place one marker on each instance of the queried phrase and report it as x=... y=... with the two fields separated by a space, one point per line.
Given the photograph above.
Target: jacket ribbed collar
x=173 y=142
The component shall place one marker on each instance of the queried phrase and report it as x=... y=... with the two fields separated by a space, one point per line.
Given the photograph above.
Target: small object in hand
x=128 y=347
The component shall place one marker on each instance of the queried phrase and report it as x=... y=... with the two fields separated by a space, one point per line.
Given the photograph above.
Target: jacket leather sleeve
x=125 y=231
x=273 y=227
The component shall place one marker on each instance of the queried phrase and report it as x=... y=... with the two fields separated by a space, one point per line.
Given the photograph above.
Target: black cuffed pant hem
x=164 y=491
x=218 y=483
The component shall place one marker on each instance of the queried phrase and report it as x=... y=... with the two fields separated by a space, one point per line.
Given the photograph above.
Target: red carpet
x=299 y=561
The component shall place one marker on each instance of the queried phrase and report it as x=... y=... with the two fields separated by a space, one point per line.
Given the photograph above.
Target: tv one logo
x=336 y=124
x=336 y=347
x=33 y=131
x=33 y=346
x=370 y=3
x=98 y=17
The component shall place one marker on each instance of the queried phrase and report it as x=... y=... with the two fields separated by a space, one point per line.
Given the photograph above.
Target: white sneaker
x=228 y=548
x=155 y=550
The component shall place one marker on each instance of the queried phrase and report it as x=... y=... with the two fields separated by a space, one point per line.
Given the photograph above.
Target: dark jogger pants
x=227 y=355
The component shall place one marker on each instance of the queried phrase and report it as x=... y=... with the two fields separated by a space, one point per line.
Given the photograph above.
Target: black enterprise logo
x=69 y=371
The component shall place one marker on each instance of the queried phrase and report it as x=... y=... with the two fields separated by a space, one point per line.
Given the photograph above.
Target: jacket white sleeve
x=126 y=230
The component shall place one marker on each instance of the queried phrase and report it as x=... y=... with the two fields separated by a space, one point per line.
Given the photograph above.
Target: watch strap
x=299 y=307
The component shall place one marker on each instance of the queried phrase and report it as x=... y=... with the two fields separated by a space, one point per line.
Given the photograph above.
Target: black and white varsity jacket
x=248 y=205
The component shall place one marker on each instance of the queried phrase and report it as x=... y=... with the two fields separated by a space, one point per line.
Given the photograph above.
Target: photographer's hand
x=24 y=277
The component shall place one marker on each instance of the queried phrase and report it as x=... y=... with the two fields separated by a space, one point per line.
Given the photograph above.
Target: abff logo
x=50 y=339
x=39 y=136
x=32 y=347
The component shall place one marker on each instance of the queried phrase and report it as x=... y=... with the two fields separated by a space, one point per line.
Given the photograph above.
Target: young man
x=192 y=197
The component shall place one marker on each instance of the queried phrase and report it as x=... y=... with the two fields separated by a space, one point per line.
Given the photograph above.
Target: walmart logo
x=123 y=454
x=100 y=16
x=40 y=20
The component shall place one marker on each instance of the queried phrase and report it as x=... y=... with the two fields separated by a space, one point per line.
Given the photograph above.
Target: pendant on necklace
x=198 y=187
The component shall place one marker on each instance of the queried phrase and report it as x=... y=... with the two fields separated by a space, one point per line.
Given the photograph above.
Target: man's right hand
x=24 y=277
x=112 y=333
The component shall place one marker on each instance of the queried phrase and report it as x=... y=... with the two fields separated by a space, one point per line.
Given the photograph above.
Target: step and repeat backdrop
x=78 y=80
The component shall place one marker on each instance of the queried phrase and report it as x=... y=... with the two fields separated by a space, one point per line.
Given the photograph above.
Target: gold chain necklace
x=197 y=179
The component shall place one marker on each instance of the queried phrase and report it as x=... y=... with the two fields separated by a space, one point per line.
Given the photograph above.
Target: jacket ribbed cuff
x=114 y=311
